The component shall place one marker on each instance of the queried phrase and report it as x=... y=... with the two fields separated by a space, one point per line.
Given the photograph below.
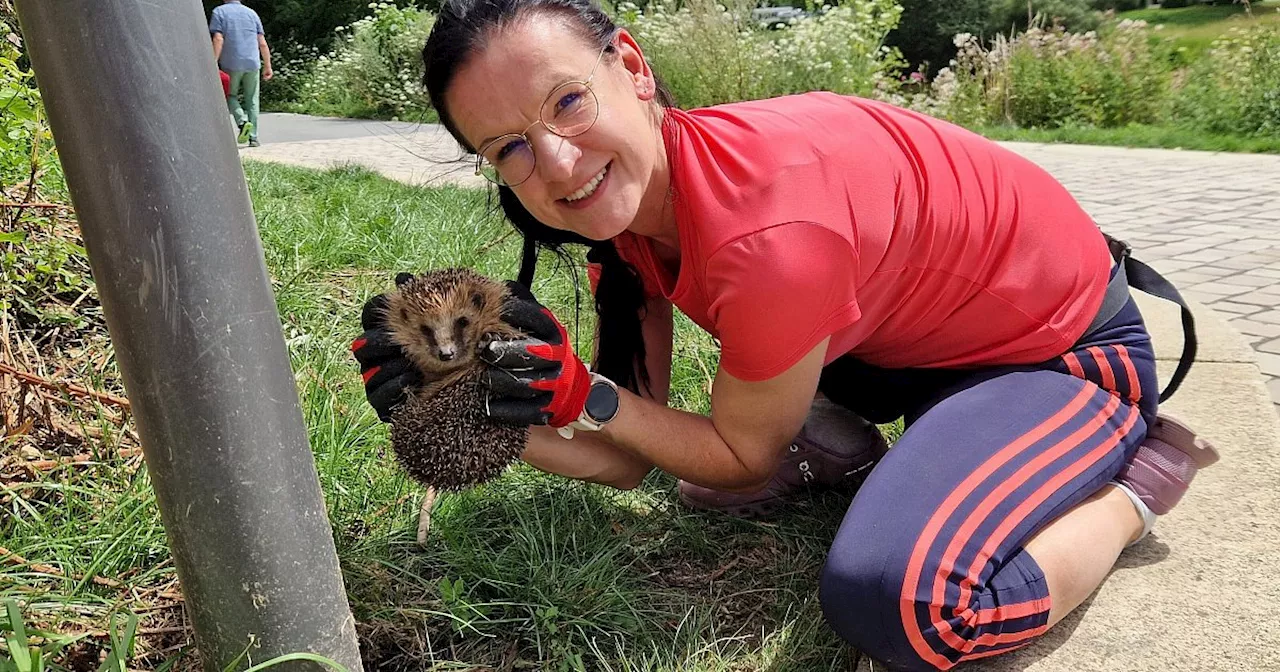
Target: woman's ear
x=637 y=67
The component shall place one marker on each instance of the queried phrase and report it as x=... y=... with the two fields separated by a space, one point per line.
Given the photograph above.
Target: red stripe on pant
x=1099 y=453
x=964 y=535
x=918 y=554
x=1104 y=368
x=1131 y=372
x=1073 y=365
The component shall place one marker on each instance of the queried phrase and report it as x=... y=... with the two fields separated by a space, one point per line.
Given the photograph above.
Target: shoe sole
x=764 y=508
x=1179 y=435
x=244 y=132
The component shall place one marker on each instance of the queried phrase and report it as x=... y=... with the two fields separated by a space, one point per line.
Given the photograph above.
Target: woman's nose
x=555 y=157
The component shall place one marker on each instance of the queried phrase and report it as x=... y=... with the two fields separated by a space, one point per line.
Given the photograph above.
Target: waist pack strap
x=1135 y=274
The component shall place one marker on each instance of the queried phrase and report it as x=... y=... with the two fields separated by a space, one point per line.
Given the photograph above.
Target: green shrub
x=710 y=52
x=1234 y=87
x=375 y=71
x=1051 y=78
x=20 y=123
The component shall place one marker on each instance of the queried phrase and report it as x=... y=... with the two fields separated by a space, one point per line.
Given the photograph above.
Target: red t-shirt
x=909 y=241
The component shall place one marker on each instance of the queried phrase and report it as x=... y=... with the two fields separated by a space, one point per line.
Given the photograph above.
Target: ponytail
x=620 y=307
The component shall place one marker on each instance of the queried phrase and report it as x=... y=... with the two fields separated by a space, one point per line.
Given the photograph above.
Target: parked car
x=770 y=17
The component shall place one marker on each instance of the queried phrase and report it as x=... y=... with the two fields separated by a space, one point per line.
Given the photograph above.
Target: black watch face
x=602 y=402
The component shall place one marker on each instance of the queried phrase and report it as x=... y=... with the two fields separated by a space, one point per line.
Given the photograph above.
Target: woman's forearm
x=684 y=444
x=737 y=448
x=586 y=457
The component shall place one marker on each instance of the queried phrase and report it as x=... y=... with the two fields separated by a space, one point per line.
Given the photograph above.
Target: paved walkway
x=1200 y=593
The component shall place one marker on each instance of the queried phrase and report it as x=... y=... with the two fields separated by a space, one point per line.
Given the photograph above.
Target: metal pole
x=133 y=97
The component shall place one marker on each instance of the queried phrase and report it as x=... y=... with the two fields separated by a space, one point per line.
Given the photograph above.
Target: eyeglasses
x=570 y=109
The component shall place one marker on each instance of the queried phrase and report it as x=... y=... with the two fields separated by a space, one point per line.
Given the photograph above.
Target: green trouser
x=244 y=83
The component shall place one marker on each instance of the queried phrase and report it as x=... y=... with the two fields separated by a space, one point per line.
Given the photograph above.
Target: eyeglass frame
x=480 y=160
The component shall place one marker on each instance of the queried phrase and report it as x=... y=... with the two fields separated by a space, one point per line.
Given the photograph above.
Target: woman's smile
x=590 y=192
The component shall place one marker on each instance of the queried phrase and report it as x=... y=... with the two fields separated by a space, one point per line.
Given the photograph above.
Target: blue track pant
x=928 y=568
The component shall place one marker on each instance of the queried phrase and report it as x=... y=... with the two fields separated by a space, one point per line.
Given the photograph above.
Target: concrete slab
x=1217 y=340
x=420 y=154
x=1200 y=593
x=280 y=127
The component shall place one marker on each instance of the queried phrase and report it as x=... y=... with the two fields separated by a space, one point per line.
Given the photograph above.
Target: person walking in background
x=240 y=48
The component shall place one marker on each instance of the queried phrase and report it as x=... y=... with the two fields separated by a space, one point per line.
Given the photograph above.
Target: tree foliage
x=928 y=28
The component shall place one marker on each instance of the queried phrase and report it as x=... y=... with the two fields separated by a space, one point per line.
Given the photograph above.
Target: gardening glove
x=537 y=380
x=386 y=371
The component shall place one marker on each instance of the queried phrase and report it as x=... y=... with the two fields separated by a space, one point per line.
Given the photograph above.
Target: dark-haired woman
x=882 y=262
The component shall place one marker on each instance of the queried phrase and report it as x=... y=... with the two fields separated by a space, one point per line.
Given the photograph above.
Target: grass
x=1195 y=28
x=1167 y=137
x=532 y=570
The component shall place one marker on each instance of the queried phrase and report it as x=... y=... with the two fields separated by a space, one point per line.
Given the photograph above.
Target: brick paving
x=1209 y=222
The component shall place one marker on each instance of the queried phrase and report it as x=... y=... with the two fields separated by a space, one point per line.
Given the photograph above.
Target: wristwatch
x=601 y=407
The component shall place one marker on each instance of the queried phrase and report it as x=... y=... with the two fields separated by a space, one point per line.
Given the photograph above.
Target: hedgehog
x=440 y=434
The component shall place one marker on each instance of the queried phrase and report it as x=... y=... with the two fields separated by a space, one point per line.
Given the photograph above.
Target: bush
x=709 y=53
x=1235 y=87
x=1051 y=78
x=375 y=71
x=20 y=123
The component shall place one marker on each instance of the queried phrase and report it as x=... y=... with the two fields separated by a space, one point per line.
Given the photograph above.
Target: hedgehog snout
x=446 y=352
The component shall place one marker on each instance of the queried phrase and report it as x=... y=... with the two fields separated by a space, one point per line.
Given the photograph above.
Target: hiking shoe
x=834 y=449
x=245 y=130
x=1162 y=469
x=253 y=142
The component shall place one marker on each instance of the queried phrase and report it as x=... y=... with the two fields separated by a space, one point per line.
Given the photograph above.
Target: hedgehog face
x=450 y=335
x=441 y=319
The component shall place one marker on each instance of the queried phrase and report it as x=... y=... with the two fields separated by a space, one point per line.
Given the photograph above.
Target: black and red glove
x=386 y=370
x=537 y=380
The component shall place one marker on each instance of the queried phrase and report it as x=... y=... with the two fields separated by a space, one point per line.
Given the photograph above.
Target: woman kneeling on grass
x=856 y=261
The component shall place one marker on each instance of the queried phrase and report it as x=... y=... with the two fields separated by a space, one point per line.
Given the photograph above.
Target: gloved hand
x=386 y=370
x=537 y=380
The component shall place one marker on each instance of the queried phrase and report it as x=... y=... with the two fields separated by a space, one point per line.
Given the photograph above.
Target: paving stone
x=1247 y=280
x=1258 y=297
x=1235 y=308
x=1237 y=264
x=1191 y=277
x=1168 y=266
x=1254 y=328
x=1208 y=255
x=1248 y=245
x=1271 y=346
x=1270 y=316
x=1214 y=228
x=1211 y=269
x=1166 y=237
x=1269 y=363
x=1273 y=386
x=1220 y=288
